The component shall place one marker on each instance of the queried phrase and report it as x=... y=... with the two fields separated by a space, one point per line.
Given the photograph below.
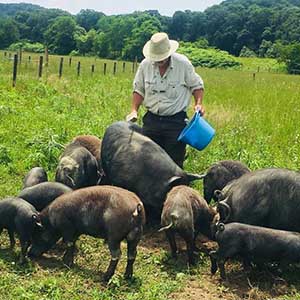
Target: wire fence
x=41 y=66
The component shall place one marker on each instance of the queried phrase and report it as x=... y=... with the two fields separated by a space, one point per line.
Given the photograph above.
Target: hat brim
x=146 y=51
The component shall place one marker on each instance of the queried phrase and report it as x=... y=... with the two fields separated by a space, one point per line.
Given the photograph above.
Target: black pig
x=107 y=212
x=253 y=243
x=34 y=176
x=266 y=197
x=42 y=194
x=187 y=213
x=17 y=215
x=219 y=175
x=134 y=162
x=77 y=167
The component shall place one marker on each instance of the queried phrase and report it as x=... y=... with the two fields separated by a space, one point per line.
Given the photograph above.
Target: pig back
x=267 y=197
x=98 y=211
x=42 y=194
x=134 y=162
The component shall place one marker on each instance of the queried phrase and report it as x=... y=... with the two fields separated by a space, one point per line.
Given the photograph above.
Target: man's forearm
x=137 y=100
x=198 y=96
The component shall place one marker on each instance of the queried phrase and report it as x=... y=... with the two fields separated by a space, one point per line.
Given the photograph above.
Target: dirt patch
x=253 y=285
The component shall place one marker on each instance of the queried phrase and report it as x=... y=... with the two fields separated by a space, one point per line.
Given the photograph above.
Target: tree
x=264 y=48
x=85 y=41
x=290 y=54
x=60 y=35
x=246 y=52
x=88 y=18
x=9 y=33
x=101 y=44
x=140 y=35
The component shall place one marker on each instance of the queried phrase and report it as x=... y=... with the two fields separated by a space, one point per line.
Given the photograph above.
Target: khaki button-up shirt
x=171 y=93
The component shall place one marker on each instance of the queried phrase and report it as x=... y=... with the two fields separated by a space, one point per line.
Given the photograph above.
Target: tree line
x=241 y=27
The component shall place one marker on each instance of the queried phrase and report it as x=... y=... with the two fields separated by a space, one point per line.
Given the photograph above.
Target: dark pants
x=164 y=130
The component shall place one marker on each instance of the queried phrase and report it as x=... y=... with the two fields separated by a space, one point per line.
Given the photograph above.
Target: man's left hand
x=200 y=109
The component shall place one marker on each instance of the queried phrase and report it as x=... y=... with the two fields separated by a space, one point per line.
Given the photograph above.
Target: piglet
x=219 y=175
x=185 y=212
x=34 y=176
x=253 y=243
x=107 y=212
x=42 y=194
x=17 y=215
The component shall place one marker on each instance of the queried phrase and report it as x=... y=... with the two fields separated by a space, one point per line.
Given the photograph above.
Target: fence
x=43 y=65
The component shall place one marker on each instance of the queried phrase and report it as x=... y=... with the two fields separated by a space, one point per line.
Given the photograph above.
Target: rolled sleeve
x=138 y=82
x=193 y=80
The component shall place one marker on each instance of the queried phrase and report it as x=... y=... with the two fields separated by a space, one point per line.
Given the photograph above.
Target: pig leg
x=213 y=255
x=133 y=239
x=221 y=266
x=115 y=252
x=24 y=247
x=11 y=238
x=217 y=262
x=171 y=239
x=188 y=236
x=131 y=255
x=246 y=263
x=68 y=258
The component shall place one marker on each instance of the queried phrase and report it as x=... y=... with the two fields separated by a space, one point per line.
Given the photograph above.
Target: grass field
x=256 y=121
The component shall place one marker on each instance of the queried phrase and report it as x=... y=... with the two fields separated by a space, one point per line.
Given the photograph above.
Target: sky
x=112 y=7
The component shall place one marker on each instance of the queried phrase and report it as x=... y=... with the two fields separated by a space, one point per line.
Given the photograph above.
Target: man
x=164 y=83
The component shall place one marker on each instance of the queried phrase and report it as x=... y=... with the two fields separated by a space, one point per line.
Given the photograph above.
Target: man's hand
x=200 y=109
x=132 y=117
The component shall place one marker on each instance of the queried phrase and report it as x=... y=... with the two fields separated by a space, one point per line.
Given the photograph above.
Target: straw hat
x=159 y=47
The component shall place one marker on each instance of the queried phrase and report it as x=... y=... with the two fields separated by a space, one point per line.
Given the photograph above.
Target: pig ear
x=37 y=221
x=175 y=180
x=191 y=177
x=218 y=195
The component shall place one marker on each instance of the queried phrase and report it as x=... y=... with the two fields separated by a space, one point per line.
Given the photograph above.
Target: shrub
x=209 y=58
x=246 y=52
x=28 y=47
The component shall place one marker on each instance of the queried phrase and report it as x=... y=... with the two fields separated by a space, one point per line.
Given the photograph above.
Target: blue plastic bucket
x=198 y=133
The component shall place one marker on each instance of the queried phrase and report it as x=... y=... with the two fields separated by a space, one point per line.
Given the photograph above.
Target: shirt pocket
x=173 y=86
x=150 y=87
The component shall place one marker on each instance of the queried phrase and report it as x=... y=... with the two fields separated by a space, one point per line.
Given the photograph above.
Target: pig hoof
x=127 y=276
x=22 y=260
x=106 y=277
x=213 y=269
x=68 y=262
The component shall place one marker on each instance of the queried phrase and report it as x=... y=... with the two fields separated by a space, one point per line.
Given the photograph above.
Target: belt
x=178 y=116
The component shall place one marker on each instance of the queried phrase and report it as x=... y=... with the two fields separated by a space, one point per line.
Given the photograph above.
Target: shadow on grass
x=260 y=283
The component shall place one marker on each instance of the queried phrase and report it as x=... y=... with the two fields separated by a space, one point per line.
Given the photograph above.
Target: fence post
x=104 y=68
x=70 y=61
x=133 y=67
x=20 y=55
x=123 y=67
x=5 y=54
x=9 y=55
x=29 y=58
x=41 y=66
x=93 y=69
x=46 y=56
x=135 y=63
x=61 y=66
x=78 y=69
x=15 y=69
x=115 y=68
x=253 y=75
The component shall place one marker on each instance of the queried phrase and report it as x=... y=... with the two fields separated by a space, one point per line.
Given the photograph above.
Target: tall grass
x=256 y=121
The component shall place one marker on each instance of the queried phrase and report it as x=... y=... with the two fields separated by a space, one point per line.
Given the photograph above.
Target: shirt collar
x=171 y=65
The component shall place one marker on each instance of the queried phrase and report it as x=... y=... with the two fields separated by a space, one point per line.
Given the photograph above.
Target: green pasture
x=256 y=121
